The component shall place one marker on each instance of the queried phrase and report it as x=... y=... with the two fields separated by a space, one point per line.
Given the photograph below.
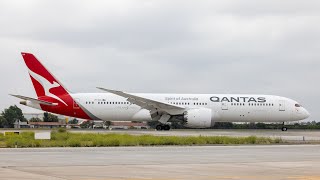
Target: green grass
x=66 y=139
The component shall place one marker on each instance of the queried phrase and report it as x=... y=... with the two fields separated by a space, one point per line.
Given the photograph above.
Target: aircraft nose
x=306 y=114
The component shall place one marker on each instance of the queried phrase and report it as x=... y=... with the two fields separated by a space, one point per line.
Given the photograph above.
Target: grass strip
x=66 y=139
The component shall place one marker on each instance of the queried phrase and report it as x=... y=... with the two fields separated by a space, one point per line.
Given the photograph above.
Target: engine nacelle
x=198 y=118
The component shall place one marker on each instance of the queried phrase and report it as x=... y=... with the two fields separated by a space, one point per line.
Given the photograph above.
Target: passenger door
x=282 y=105
x=224 y=106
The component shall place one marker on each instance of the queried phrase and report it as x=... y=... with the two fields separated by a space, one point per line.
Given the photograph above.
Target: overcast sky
x=240 y=46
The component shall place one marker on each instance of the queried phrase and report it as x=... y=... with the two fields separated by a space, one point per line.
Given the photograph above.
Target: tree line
x=12 y=114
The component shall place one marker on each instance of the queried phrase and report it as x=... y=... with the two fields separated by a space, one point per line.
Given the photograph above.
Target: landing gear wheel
x=284 y=129
x=159 y=127
x=166 y=127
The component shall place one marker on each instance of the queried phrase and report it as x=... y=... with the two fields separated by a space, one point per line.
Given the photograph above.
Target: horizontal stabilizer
x=35 y=100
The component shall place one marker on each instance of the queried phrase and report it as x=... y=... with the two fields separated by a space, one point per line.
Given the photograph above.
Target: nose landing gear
x=284 y=128
x=162 y=127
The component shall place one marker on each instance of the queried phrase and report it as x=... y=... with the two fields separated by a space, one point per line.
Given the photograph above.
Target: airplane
x=191 y=110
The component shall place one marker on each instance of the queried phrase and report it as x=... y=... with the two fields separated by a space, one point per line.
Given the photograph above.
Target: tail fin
x=52 y=96
x=45 y=84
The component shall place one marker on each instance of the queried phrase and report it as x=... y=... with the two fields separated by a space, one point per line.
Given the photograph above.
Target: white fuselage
x=224 y=107
x=192 y=110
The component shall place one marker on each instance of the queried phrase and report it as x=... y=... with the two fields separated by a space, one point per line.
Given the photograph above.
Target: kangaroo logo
x=47 y=86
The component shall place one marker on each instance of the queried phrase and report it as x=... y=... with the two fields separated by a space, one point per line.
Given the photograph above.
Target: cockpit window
x=297 y=105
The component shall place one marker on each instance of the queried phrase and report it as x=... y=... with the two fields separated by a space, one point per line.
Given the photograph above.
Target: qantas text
x=238 y=99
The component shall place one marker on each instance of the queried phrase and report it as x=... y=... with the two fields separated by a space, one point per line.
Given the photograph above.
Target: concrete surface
x=198 y=162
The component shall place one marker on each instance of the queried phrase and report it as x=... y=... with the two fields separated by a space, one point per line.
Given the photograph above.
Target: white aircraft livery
x=191 y=110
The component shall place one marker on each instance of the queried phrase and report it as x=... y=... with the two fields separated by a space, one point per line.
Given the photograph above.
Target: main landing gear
x=284 y=128
x=163 y=127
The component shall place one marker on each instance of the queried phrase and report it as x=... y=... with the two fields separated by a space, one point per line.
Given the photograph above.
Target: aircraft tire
x=284 y=129
x=166 y=127
x=159 y=127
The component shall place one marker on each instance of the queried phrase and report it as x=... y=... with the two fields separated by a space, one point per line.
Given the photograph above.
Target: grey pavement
x=175 y=162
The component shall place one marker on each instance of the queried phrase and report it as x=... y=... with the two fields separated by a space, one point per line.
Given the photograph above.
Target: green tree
x=261 y=126
x=35 y=119
x=223 y=125
x=2 y=122
x=12 y=114
x=48 y=117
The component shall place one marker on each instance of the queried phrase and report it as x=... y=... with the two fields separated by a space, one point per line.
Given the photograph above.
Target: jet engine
x=198 y=118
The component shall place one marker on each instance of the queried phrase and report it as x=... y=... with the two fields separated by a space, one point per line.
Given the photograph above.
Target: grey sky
x=240 y=46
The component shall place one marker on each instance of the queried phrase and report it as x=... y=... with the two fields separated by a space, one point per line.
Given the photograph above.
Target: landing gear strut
x=161 y=127
x=284 y=128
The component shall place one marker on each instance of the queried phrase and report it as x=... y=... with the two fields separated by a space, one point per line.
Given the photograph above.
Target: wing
x=149 y=104
x=34 y=100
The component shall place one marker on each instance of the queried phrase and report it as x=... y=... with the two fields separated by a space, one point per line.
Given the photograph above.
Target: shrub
x=252 y=139
x=2 y=137
x=62 y=130
x=74 y=143
x=60 y=136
